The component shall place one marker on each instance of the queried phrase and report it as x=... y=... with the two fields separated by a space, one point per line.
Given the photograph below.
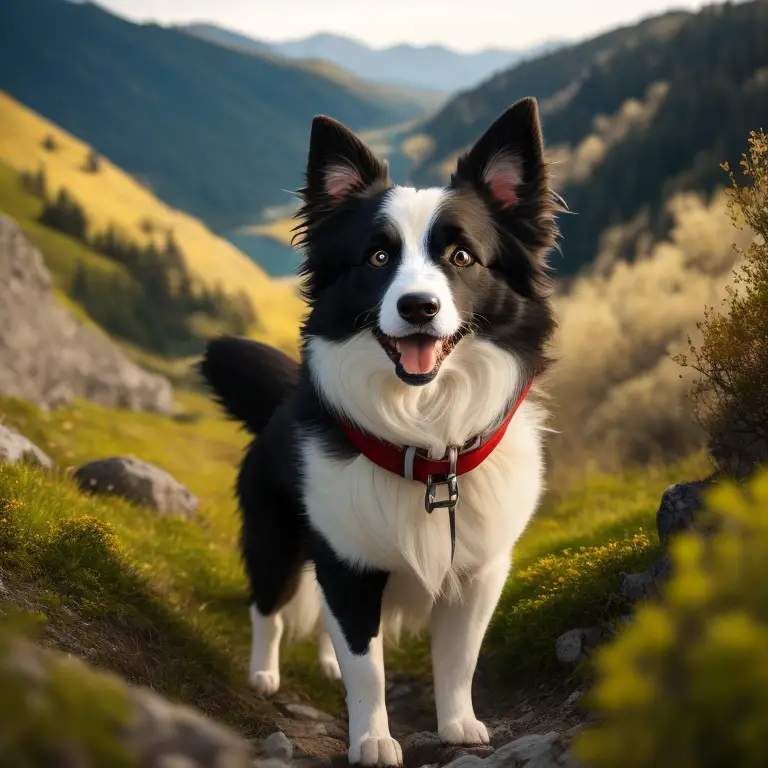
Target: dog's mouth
x=417 y=357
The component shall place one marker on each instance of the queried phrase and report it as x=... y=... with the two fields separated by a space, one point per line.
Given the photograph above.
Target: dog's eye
x=461 y=258
x=379 y=259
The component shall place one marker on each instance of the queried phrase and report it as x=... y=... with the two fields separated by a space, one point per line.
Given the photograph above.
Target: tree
x=66 y=215
x=731 y=398
x=92 y=162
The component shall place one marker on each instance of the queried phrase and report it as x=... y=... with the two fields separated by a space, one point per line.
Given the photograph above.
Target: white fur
x=373 y=517
x=412 y=212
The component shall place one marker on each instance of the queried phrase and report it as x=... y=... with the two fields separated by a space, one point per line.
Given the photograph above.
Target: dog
x=396 y=465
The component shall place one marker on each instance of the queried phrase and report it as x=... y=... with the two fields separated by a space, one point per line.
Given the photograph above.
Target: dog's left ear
x=507 y=161
x=506 y=167
x=340 y=165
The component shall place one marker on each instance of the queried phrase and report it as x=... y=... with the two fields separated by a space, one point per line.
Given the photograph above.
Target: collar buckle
x=448 y=479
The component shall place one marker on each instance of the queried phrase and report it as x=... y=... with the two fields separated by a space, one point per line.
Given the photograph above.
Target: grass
x=163 y=601
x=111 y=196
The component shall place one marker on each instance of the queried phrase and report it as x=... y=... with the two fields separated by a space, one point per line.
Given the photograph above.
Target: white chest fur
x=372 y=517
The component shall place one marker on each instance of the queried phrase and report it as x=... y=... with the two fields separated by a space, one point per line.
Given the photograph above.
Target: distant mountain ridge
x=214 y=132
x=629 y=117
x=429 y=67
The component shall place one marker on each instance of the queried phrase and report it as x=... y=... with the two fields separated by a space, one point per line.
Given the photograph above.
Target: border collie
x=397 y=464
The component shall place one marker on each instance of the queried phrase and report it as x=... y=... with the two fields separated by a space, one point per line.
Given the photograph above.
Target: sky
x=460 y=24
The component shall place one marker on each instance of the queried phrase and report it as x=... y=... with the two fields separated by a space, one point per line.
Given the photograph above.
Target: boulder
x=15 y=447
x=49 y=357
x=139 y=482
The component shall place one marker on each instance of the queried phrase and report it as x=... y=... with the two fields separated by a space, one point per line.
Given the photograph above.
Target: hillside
x=214 y=132
x=430 y=67
x=112 y=197
x=630 y=117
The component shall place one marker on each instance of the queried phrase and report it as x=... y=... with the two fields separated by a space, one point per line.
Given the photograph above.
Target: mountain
x=631 y=117
x=429 y=67
x=112 y=198
x=212 y=131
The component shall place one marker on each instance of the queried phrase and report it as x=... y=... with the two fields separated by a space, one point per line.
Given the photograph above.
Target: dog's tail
x=248 y=378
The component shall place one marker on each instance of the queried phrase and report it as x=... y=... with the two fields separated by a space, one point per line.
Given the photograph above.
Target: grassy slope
x=187 y=632
x=112 y=196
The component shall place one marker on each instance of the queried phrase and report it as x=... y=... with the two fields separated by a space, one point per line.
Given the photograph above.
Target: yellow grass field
x=112 y=196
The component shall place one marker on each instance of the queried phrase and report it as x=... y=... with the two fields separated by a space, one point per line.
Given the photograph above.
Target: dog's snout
x=418 y=307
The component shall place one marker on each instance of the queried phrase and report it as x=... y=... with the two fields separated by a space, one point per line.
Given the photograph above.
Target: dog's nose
x=418 y=307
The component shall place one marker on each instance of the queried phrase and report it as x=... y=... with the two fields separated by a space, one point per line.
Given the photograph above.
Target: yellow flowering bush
x=685 y=685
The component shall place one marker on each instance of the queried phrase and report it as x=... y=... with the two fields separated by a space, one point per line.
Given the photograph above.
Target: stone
x=305 y=712
x=156 y=732
x=16 y=448
x=47 y=355
x=139 y=482
x=569 y=646
x=277 y=746
x=522 y=750
x=647 y=585
x=680 y=505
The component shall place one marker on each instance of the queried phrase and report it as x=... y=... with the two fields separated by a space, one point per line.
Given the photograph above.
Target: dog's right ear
x=340 y=166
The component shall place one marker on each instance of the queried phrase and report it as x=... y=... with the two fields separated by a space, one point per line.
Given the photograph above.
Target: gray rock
x=647 y=585
x=15 y=447
x=680 y=505
x=278 y=746
x=139 y=482
x=569 y=647
x=305 y=712
x=49 y=357
x=575 y=644
x=527 y=748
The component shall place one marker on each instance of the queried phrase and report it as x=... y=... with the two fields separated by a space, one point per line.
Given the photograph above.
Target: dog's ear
x=340 y=165
x=506 y=167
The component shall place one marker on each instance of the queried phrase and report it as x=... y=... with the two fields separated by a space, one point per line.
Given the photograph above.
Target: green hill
x=213 y=131
x=631 y=116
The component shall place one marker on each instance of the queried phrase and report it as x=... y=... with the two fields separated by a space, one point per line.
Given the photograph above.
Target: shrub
x=92 y=162
x=731 y=398
x=686 y=683
x=577 y=588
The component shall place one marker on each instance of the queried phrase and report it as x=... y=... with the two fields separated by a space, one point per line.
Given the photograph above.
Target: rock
x=574 y=645
x=278 y=746
x=679 y=507
x=647 y=585
x=49 y=357
x=425 y=748
x=522 y=750
x=139 y=482
x=15 y=447
x=305 y=712
x=150 y=730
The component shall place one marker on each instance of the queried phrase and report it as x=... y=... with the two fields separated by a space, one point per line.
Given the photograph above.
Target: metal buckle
x=448 y=479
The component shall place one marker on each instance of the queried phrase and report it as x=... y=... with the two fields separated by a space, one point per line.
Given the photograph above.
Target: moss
x=686 y=683
x=51 y=709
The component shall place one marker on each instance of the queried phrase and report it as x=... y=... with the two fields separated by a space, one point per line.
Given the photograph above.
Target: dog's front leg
x=352 y=615
x=457 y=629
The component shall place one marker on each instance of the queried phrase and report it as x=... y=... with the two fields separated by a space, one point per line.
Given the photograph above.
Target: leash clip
x=447 y=479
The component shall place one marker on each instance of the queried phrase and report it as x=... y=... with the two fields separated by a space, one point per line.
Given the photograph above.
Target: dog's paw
x=330 y=667
x=265 y=681
x=376 y=752
x=465 y=732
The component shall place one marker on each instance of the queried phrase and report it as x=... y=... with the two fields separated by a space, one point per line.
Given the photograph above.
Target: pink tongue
x=418 y=355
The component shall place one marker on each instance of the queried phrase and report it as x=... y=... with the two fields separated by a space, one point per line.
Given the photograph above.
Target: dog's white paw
x=265 y=681
x=469 y=732
x=376 y=752
x=330 y=667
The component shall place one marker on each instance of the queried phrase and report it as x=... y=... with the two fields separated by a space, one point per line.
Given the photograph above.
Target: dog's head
x=421 y=270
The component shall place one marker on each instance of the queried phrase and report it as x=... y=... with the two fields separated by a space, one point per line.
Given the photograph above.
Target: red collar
x=407 y=462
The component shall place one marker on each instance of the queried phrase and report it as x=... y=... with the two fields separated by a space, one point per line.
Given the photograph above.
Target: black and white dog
x=398 y=463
